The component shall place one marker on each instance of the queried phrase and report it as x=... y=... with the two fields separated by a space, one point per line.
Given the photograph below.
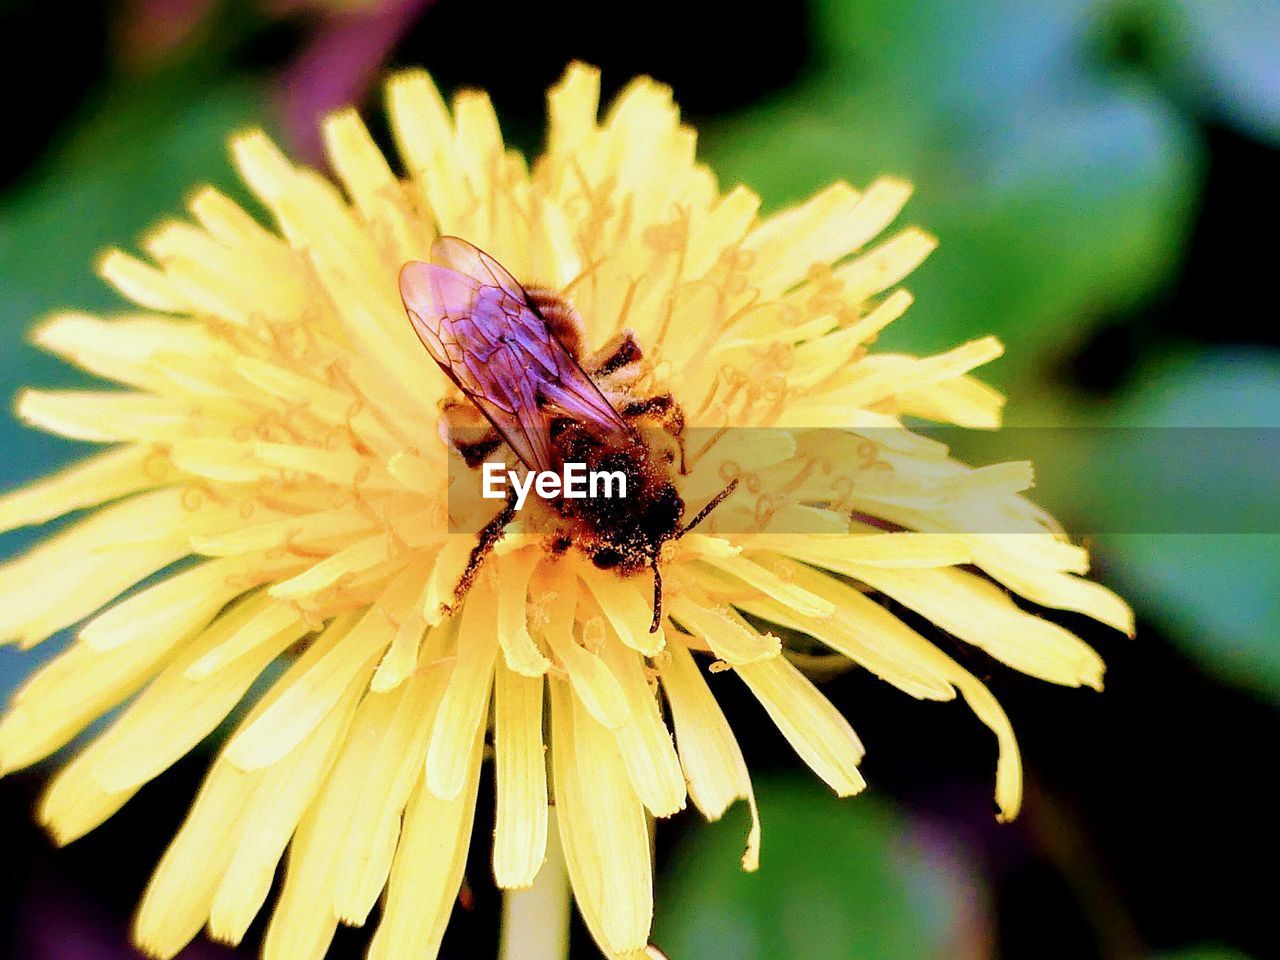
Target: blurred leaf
x=1060 y=189
x=1219 y=595
x=1226 y=54
x=839 y=880
x=123 y=168
x=1203 y=953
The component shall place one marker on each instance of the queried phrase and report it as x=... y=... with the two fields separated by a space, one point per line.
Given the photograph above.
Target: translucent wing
x=475 y=319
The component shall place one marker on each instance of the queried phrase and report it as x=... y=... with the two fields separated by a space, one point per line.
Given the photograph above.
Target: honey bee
x=516 y=355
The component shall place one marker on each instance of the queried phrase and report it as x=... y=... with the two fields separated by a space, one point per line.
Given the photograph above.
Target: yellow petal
x=709 y=752
x=332 y=664
x=644 y=740
x=723 y=228
x=141 y=282
x=218 y=280
x=411 y=633
x=344 y=258
x=190 y=598
x=520 y=823
x=303 y=388
x=177 y=901
x=428 y=867
x=74 y=803
x=820 y=735
x=980 y=613
x=281 y=797
x=381 y=763
x=887 y=376
x=627 y=610
x=1009 y=764
x=789 y=242
x=374 y=188
x=419 y=118
x=602 y=828
x=117 y=416
x=869 y=634
x=964 y=401
x=884 y=265
x=320 y=868
x=306 y=534
x=572 y=107
x=450 y=563
x=135 y=351
x=175 y=713
x=269 y=621
x=465 y=707
x=228 y=222
x=357 y=558
x=847 y=552
x=732 y=640
x=861 y=630
x=82 y=683
x=235 y=825
x=1041 y=551
x=1063 y=591
x=75 y=572
x=518 y=649
x=299 y=928
x=592 y=681
x=823 y=356
x=768 y=582
x=98 y=479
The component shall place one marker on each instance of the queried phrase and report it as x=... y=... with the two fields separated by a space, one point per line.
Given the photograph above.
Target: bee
x=516 y=355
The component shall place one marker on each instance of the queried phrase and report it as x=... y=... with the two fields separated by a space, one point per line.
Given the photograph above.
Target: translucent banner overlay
x=798 y=481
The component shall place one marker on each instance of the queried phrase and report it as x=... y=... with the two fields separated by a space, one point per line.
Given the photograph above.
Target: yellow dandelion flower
x=273 y=490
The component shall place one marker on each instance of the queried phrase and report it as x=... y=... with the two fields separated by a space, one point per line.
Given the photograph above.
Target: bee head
x=662 y=515
x=607 y=557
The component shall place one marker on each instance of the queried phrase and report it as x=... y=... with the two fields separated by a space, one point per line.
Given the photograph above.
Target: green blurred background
x=1102 y=177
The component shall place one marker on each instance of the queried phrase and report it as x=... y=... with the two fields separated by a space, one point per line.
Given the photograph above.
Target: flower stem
x=535 y=922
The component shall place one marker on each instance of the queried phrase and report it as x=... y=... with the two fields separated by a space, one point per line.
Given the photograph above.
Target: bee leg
x=663 y=410
x=562 y=320
x=475 y=453
x=466 y=431
x=621 y=351
x=657 y=595
x=489 y=535
x=660 y=408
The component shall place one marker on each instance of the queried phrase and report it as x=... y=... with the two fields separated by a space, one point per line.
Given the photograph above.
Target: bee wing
x=476 y=322
x=469 y=260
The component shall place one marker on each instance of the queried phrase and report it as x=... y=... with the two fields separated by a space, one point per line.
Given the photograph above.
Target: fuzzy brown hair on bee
x=517 y=356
